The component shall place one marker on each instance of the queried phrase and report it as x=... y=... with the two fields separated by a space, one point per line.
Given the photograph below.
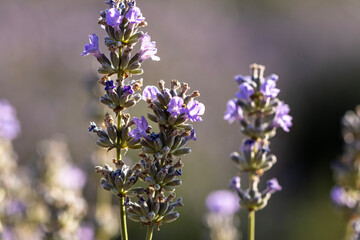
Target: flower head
x=193 y=110
x=223 y=202
x=233 y=112
x=109 y=85
x=245 y=91
x=113 y=17
x=282 y=118
x=134 y=15
x=268 y=88
x=141 y=127
x=150 y=92
x=273 y=186
x=92 y=47
x=148 y=49
x=175 y=106
x=9 y=124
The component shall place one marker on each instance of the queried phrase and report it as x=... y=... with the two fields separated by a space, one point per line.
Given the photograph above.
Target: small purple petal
x=9 y=124
x=282 y=118
x=141 y=127
x=92 y=47
x=148 y=49
x=192 y=136
x=150 y=92
x=127 y=90
x=233 y=112
x=134 y=15
x=113 y=17
x=235 y=183
x=175 y=106
x=341 y=198
x=268 y=88
x=273 y=186
x=223 y=202
x=240 y=79
x=193 y=110
x=109 y=85
x=245 y=91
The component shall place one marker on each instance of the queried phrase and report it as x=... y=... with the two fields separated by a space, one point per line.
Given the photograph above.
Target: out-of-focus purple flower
x=223 y=202
x=282 y=118
x=15 y=207
x=134 y=15
x=109 y=85
x=113 y=17
x=71 y=177
x=175 y=106
x=240 y=79
x=127 y=90
x=245 y=91
x=86 y=232
x=341 y=198
x=141 y=127
x=268 y=88
x=233 y=112
x=193 y=110
x=150 y=92
x=235 y=183
x=248 y=146
x=273 y=186
x=92 y=47
x=9 y=124
x=7 y=234
x=192 y=136
x=148 y=49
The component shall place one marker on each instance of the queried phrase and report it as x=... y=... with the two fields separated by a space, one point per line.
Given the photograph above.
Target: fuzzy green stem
x=251 y=230
x=150 y=231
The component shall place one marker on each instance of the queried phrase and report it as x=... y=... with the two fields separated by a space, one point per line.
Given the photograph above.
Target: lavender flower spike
x=113 y=17
x=141 y=127
x=134 y=15
x=175 y=106
x=233 y=112
x=150 y=92
x=92 y=47
x=282 y=118
x=147 y=49
x=9 y=124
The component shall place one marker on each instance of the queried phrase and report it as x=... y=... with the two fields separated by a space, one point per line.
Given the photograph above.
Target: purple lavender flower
x=175 y=106
x=245 y=91
x=93 y=127
x=192 y=136
x=127 y=90
x=233 y=112
x=9 y=124
x=193 y=110
x=113 y=17
x=282 y=118
x=341 y=198
x=273 y=186
x=150 y=92
x=15 y=207
x=240 y=79
x=235 y=183
x=92 y=47
x=223 y=202
x=71 y=177
x=248 y=146
x=141 y=127
x=134 y=15
x=268 y=88
x=109 y=85
x=86 y=232
x=147 y=49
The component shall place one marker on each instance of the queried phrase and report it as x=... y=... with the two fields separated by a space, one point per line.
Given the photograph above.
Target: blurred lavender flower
x=141 y=128
x=233 y=112
x=71 y=177
x=341 y=198
x=86 y=232
x=113 y=17
x=147 y=49
x=235 y=183
x=273 y=186
x=193 y=110
x=9 y=124
x=134 y=15
x=92 y=47
x=245 y=91
x=268 y=88
x=282 y=118
x=150 y=92
x=223 y=202
x=127 y=90
x=175 y=106
x=192 y=136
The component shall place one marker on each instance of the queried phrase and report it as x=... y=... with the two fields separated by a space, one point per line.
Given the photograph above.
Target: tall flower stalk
x=160 y=165
x=259 y=112
x=345 y=195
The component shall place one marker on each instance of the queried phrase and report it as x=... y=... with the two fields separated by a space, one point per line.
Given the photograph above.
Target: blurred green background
x=313 y=45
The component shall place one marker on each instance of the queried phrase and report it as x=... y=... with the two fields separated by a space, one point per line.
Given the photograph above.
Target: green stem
x=150 y=231
x=251 y=230
x=124 y=235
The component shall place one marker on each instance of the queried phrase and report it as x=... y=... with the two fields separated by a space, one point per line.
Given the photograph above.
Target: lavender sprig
x=259 y=112
x=345 y=195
